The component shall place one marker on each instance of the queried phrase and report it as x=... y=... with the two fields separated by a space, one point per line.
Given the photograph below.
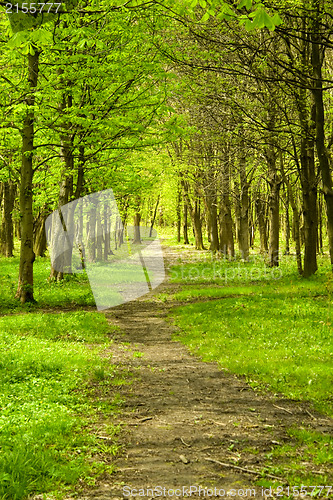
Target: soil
x=186 y=422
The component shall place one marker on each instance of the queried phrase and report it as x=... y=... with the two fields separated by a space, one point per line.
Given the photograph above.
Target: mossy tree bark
x=25 y=282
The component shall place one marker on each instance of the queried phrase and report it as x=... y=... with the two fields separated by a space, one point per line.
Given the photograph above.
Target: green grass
x=46 y=371
x=278 y=333
x=313 y=447
x=74 y=290
x=284 y=343
x=51 y=377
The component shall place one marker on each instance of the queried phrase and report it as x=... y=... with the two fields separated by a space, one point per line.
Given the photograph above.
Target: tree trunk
x=179 y=214
x=136 y=223
x=320 y=220
x=274 y=222
x=154 y=216
x=297 y=236
x=273 y=200
x=287 y=225
x=99 y=236
x=40 y=242
x=7 y=230
x=309 y=190
x=309 y=184
x=296 y=225
x=317 y=92
x=91 y=243
x=195 y=216
x=197 y=226
x=27 y=256
x=185 y=225
x=227 y=245
x=243 y=234
x=211 y=207
x=64 y=262
x=107 y=232
x=260 y=212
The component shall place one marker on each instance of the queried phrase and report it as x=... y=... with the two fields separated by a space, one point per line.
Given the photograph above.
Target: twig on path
x=284 y=409
x=182 y=440
x=310 y=414
x=139 y=421
x=145 y=418
x=243 y=469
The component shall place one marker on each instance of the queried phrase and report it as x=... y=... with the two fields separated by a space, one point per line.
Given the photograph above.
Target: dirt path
x=182 y=416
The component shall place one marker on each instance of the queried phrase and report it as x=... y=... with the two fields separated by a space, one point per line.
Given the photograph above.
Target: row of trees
x=77 y=96
x=260 y=103
x=187 y=109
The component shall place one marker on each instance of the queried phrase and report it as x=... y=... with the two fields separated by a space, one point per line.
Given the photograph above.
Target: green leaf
x=245 y=3
x=203 y=3
x=228 y=12
x=205 y=17
x=249 y=25
x=262 y=20
x=41 y=36
x=276 y=19
x=18 y=39
x=267 y=21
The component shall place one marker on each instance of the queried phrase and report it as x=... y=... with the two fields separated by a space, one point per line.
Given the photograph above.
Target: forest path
x=181 y=414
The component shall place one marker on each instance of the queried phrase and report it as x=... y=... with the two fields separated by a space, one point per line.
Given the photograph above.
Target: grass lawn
x=273 y=327
x=50 y=372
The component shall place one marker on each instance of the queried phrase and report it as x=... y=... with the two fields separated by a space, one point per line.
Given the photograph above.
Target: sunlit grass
x=50 y=368
x=276 y=332
x=283 y=343
x=74 y=290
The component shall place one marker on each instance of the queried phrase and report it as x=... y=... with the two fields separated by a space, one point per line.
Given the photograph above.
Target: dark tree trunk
x=137 y=234
x=320 y=220
x=64 y=262
x=309 y=187
x=99 y=236
x=40 y=242
x=296 y=224
x=227 y=245
x=185 y=225
x=197 y=226
x=154 y=216
x=287 y=225
x=107 y=232
x=260 y=212
x=195 y=216
x=273 y=202
x=274 y=222
x=25 y=282
x=7 y=230
x=179 y=214
x=243 y=233
x=211 y=207
x=317 y=92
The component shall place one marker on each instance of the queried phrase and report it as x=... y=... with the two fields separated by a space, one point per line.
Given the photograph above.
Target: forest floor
x=188 y=423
